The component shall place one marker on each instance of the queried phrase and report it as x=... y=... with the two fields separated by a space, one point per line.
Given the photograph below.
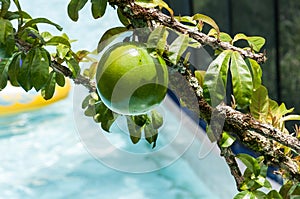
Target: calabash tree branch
x=153 y=14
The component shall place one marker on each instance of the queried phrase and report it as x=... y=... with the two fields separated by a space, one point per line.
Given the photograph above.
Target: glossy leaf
x=49 y=89
x=3 y=73
x=274 y=195
x=123 y=19
x=109 y=36
x=215 y=79
x=250 y=162
x=60 y=79
x=186 y=19
x=5 y=4
x=206 y=19
x=17 y=15
x=290 y=118
x=199 y=74
x=39 y=70
x=256 y=72
x=54 y=41
x=7 y=41
x=13 y=69
x=74 y=7
x=157 y=119
x=177 y=48
x=135 y=131
x=33 y=22
x=98 y=8
x=255 y=42
x=24 y=75
x=157 y=39
x=151 y=134
x=74 y=66
x=241 y=80
x=259 y=106
x=227 y=140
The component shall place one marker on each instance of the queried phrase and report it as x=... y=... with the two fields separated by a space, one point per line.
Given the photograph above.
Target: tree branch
x=148 y=14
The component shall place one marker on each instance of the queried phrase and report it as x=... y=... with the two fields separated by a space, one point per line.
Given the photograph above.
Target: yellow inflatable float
x=15 y=100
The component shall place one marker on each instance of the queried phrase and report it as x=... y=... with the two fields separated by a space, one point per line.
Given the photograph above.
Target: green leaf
x=227 y=140
x=93 y=70
x=49 y=89
x=250 y=162
x=60 y=79
x=223 y=36
x=24 y=74
x=158 y=39
x=177 y=48
x=14 y=67
x=135 y=131
x=123 y=19
x=109 y=36
x=255 y=42
x=274 y=195
x=241 y=80
x=151 y=134
x=33 y=22
x=7 y=39
x=256 y=72
x=98 y=8
x=290 y=118
x=282 y=110
x=157 y=119
x=54 y=41
x=285 y=190
x=206 y=19
x=39 y=72
x=3 y=73
x=259 y=106
x=215 y=79
x=244 y=195
x=199 y=74
x=5 y=4
x=74 y=7
x=74 y=66
x=17 y=15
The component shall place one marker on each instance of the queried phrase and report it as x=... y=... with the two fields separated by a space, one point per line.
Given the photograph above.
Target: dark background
x=276 y=20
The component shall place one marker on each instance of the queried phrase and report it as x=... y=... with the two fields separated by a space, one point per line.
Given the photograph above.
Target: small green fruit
x=130 y=81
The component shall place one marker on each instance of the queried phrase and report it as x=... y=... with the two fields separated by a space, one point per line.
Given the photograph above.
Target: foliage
x=26 y=62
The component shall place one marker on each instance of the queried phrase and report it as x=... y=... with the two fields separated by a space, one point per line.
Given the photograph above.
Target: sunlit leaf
x=206 y=19
x=177 y=48
x=157 y=119
x=158 y=39
x=74 y=66
x=215 y=79
x=135 y=131
x=259 y=106
x=35 y=21
x=200 y=74
x=74 y=7
x=154 y=3
x=250 y=162
x=54 y=41
x=227 y=140
x=290 y=118
x=98 y=8
x=7 y=41
x=255 y=42
x=256 y=72
x=241 y=80
x=109 y=36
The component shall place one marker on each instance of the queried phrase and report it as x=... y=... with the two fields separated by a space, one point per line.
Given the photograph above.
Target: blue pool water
x=45 y=155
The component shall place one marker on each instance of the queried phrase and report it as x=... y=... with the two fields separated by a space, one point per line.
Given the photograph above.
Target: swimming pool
x=45 y=155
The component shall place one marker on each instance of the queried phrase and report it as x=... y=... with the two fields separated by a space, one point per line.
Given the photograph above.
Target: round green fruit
x=130 y=81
